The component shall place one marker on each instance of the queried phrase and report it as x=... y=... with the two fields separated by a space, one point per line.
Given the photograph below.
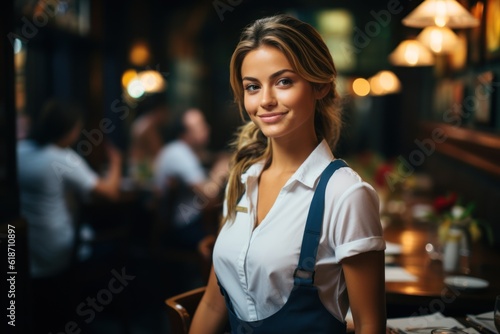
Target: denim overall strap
x=303 y=312
x=304 y=273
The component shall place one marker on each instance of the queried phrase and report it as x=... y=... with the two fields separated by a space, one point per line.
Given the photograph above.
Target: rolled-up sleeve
x=357 y=228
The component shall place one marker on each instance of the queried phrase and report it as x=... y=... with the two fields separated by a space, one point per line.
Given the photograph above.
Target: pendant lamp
x=438 y=39
x=440 y=13
x=384 y=82
x=411 y=53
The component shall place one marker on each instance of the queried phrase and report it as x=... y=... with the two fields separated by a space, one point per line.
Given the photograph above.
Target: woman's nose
x=268 y=98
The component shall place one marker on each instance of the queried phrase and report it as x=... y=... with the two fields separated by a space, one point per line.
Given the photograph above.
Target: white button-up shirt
x=256 y=265
x=45 y=173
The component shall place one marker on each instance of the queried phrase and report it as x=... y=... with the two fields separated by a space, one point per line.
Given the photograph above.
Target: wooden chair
x=160 y=248
x=180 y=309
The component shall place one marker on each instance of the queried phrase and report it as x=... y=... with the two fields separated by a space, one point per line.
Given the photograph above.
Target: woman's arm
x=211 y=314
x=365 y=278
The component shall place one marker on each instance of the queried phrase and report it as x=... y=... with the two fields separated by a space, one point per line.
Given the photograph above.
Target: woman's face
x=279 y=101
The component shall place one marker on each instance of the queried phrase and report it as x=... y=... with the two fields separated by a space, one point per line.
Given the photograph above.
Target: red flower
x=380 y=174
x=444 y=203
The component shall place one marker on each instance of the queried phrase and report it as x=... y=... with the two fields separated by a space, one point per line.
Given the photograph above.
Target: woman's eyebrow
x=272 y=76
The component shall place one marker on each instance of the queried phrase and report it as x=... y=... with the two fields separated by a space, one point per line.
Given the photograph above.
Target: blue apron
x=303 y=312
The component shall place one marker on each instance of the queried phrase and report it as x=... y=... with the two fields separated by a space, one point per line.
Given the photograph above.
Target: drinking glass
x=496 y=315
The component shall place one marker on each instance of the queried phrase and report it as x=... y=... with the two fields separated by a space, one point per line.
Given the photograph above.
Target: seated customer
x=179 y=163
x=146 y=136
x=47 y=169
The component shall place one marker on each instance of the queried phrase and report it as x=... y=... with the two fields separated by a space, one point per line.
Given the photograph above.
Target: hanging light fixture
x=361 y=87
x=440 y=13
x=383 y=83
x=438 y=39
x=411 y=52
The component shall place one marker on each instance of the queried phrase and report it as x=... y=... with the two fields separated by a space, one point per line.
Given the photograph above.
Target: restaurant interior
x=419 y=83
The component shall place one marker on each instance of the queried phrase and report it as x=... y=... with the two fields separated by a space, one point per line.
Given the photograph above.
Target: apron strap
x=304 y=273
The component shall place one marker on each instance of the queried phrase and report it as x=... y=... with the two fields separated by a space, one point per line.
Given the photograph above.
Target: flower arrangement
x=449 y=213
x=381 y=174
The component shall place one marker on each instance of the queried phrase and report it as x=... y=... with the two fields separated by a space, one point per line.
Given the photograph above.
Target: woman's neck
x=288 y=156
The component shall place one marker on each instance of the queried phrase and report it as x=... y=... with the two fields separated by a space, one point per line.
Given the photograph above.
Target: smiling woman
x=279 y=101
x=285 y=183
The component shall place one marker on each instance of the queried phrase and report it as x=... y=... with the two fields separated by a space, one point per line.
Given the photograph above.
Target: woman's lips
x=272 y=118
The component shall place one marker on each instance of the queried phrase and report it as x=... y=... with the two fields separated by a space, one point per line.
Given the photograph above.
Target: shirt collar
x=308 y=172
x=252 y=172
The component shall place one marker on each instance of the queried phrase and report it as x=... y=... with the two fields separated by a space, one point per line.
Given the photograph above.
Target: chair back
x=181 y=308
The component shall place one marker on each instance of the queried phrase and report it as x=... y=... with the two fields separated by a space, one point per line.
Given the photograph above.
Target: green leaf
x=468 y=210
x=489 y=231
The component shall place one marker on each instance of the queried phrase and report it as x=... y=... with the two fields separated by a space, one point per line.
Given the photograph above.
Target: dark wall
x=9 y=204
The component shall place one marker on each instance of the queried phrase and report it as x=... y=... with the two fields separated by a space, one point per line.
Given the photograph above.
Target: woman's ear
x=320 y=90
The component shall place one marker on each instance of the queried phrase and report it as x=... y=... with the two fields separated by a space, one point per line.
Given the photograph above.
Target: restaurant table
x=428 y=293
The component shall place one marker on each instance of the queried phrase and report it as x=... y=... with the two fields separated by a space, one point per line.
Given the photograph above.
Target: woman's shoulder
x=346 y=180
x=346 y=174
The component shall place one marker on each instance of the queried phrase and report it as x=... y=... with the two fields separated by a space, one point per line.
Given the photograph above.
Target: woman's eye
x=251 y=87
x=284 y=82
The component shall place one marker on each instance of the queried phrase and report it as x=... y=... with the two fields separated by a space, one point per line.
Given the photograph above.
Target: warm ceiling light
x=152 y=81
x=384 y=82
x=438 y=39
x=361 y=87
x=139 y=54
x=440 y=13
x=411 y=53
x=128 y=76
x=145 y=82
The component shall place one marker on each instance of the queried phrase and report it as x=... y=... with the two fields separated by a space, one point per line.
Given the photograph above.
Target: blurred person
x=48 y=170
x=180 y=164
x=147 y=136
x=282 y=264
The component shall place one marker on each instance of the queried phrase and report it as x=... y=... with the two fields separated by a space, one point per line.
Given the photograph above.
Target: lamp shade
x=438 y=39
x=411 y=52
x=440 y=13
x=384 y=82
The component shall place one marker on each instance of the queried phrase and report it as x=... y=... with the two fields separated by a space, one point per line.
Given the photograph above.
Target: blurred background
x=418 y=124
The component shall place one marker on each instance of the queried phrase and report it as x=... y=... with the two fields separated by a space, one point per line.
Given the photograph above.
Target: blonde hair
x=310 y=58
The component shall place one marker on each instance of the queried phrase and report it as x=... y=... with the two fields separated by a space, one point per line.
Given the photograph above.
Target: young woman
x=275 y=277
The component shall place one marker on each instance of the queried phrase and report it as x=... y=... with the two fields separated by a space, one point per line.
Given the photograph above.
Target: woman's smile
x=272 y=117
